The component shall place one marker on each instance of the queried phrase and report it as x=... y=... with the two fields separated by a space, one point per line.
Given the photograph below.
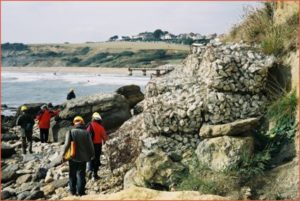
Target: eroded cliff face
x=205 y=110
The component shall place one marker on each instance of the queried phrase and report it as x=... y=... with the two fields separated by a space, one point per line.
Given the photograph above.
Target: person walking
x=71 y=94
x=99 y=136
x=26 y=122
x=84 y=152
x=44 y=118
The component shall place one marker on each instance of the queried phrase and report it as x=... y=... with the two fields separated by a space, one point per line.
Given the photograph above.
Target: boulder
x=9 y=173
x=7 y=151
x=138 y=108
x=113 y=108
x=234 y=128
x=23 y=195
x=7 y=122
x=157 y=170
x=124 y=145
x=139 y=193
x=132 y=93
x=8 y=137
x=50 y=188
x=23 y=179
x=281 y=183
x=35 y=195
x=58 y=130
x=223 y=152
x=40 y=174
x=6 y=194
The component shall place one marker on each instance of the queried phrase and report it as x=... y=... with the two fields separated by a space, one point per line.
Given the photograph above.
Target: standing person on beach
x=26 y=122
x=84 y=152
x=44 y=118
x=71 y=94
x=99 y=136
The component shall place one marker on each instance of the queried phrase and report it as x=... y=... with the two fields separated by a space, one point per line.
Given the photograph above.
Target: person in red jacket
x=99 y=136
x=44 y=118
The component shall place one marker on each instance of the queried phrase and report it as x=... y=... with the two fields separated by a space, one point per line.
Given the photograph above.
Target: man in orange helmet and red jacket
x=44 y=118
x=99 y=136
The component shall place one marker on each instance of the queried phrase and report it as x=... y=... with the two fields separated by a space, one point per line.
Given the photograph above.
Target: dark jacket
x=83 y=142
x=26 y=122
x=71 y=95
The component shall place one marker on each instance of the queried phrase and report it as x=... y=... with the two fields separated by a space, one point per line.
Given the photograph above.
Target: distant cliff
x=109 y=54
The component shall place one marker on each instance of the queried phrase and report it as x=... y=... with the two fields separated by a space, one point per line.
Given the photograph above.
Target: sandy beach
x=98 y=70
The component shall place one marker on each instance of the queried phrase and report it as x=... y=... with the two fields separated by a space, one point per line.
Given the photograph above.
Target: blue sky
x=76 y=22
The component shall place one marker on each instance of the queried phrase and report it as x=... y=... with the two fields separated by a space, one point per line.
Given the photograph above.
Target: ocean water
x=19 y=87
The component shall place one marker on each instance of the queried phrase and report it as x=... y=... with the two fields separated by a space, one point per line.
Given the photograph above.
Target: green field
x=104 y=54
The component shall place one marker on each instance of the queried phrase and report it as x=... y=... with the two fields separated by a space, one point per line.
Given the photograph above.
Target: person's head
x=71 y=90
x=24 y=108
x=78 y=120
x=44 y=107
x=96 y=116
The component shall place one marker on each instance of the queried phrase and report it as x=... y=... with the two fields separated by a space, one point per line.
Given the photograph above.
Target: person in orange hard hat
x=84 y=152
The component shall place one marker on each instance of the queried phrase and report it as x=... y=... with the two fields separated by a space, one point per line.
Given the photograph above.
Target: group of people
x=27 y=121
x=88 y=140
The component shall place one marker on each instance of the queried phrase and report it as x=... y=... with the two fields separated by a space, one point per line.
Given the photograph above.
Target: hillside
x=106 y=54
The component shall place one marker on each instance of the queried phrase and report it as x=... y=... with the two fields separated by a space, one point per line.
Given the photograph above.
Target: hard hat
x=24 y=107
x=97 y=116
x=78 y=119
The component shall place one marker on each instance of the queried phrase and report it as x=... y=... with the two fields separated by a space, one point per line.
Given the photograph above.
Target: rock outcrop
x=230 y=129
x=220 y=153
x=113 y=108
x=132 y=93
x=137 y=193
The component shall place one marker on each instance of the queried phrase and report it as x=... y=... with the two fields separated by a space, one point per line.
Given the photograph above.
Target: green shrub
x=283 y=113
x=273 y=42
x=250 y=166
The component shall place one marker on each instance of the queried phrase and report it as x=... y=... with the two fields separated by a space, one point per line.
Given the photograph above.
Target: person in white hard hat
x=99 y=136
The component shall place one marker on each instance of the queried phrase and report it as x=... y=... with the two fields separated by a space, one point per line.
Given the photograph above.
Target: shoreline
x=101 y=70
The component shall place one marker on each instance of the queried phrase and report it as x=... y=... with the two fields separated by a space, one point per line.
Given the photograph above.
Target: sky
x=79 y=22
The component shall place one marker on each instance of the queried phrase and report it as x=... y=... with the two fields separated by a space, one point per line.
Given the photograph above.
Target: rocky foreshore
x=205 y=111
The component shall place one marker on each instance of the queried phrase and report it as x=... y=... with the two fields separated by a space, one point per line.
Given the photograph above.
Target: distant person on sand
x=26 y=122
x=71 y=94
x=99 y=136
x=44 y=118
x=84 y=152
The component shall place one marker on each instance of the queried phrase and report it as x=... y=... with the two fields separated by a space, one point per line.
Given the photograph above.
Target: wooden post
x=130 y=71
x=144 y=72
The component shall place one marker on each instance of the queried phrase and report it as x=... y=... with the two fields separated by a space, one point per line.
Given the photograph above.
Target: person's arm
x=54 y=113
x=19 y=120
x=39 y=116
x=104 y=135
x=90 y=130
x=91 y=147
x=67 y=144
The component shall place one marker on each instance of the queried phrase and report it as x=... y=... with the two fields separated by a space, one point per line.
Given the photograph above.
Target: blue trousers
x=77 y=177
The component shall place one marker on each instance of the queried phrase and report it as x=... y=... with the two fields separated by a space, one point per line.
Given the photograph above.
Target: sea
x=45 y=87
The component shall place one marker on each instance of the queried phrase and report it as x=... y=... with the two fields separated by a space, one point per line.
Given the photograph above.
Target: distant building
x=167 y=37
